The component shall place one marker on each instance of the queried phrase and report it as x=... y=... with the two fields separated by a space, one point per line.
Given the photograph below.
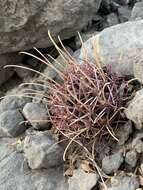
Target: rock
x=37 y=115
x=24 y=24
x=42 y=151
x=7 y=59
x=117 y=46
x=112 y=19
x=6 y=147
x=82 y=180
x=124 y=183
x=16 y=175
x=137 y=143
x=134 y=111
x=139 y=146
x=13 y=103
x=112 y=163
x=137 y=11
x=138 y=66
x=11 y=123
x=131 y=158
x=123 y=132
x=124 y=13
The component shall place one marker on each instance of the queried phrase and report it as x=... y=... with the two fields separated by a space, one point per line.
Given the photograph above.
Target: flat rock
x=11 y=123
x=42 y=151
x=24 y=24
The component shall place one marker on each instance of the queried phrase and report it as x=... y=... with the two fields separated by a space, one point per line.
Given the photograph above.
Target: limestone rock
x=24 y=24
x=118 y=46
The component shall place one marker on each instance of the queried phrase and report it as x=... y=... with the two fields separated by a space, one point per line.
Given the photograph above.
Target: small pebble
x=131 y=158
x=111 y=164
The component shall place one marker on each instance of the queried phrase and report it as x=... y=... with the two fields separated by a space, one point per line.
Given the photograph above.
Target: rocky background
x=31 y=159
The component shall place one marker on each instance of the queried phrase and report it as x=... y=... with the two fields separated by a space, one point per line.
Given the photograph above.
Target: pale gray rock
x=118 y=46
x=16 y=175
x=134 y=111
x=131 y=158
x=112 y=163
x=137 y=143
x=11 y=123
x=24 y=24
x=137 y=11
x=138 y=66
x=82 y=180
x=124 y=183
x=42 y=151
x=37 y=115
